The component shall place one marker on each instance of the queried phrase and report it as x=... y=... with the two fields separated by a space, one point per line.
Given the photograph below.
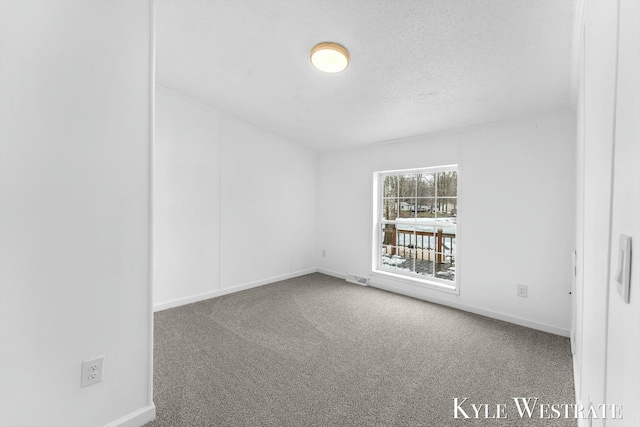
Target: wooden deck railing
x=402 y=239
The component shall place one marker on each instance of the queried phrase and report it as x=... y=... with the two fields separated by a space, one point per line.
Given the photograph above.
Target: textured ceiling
x=416 y=67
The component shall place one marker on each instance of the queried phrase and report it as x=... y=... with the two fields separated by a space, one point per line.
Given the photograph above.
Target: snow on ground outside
x=445 y=270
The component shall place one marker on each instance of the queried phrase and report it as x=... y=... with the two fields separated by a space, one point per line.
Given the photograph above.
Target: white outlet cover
x=92 y=371
x=522 y=291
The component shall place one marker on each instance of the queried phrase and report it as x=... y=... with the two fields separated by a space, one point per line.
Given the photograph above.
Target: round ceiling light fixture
x=329 y=57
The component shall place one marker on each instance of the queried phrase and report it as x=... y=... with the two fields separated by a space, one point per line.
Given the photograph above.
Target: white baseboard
x=582 y=422
x=331 y=273
x=219 y=292
x=136 y=418
x=576 y=381
x=477 y=310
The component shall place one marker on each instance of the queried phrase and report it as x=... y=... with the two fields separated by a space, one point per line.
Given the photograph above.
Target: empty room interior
x=320 y=213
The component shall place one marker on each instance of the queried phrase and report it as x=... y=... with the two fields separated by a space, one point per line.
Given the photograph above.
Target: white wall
x=515 y=212
x=234 y=206
x=187 y=198
x=75 y=81
x=596 y=114
x=607 y=351
x=623 y=326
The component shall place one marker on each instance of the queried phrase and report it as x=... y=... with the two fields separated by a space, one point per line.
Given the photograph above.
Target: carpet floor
x=318 y=351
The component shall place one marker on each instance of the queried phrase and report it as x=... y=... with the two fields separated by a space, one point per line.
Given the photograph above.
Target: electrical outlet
x=324 y=253
x=92 y=371
x=522 y=291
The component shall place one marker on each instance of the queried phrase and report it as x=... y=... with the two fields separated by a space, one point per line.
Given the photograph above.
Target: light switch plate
x=623 y=275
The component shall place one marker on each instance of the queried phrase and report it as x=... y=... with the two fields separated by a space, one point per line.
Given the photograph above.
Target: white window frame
x=409 y=277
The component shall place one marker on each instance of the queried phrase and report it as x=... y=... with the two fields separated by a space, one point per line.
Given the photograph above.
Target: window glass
x=418 y=223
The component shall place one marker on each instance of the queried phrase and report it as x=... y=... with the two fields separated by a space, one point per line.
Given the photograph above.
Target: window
x=417 y=224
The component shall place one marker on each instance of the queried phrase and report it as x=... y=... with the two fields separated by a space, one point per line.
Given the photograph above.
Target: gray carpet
x=317 y=351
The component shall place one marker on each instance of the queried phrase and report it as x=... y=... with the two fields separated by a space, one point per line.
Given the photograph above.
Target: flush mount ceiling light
x=330 y=57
